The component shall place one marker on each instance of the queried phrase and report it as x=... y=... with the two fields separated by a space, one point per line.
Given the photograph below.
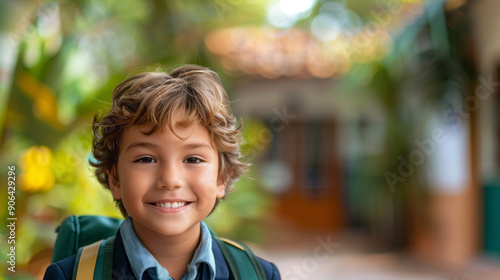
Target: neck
x=172 y=252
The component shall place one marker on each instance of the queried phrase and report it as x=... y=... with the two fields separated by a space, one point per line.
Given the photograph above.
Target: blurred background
x=372 y=125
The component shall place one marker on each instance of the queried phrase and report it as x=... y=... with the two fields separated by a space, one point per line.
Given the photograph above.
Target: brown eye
x=146 y=160
x=192 y=160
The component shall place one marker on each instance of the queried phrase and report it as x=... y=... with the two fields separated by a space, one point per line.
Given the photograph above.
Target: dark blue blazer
x=122 y=270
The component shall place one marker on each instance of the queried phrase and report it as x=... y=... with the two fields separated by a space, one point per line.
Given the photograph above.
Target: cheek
x=133 y=183
x=205 y=184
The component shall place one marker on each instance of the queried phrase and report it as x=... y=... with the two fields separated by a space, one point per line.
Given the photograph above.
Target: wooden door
x=314 y=198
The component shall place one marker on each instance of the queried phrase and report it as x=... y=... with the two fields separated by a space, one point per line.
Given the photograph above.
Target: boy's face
x=167 y=185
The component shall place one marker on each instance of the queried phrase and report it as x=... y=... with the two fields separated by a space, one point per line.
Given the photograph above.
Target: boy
x=168 y=150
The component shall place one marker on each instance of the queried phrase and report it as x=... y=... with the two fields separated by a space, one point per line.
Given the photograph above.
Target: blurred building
x=314 y=132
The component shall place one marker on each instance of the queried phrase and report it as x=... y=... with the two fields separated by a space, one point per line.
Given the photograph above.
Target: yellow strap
x=88 y=258
x=229 y=241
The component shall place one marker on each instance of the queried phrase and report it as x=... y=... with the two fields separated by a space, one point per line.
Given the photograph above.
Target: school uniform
x=131 y=260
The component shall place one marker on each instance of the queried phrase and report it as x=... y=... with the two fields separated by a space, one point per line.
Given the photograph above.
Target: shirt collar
x=141 y=260
x=202 y=255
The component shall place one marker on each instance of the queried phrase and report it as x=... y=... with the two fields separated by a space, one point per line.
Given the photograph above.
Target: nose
x=170 y=176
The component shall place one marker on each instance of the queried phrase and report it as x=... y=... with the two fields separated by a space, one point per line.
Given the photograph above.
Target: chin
x=173 y=229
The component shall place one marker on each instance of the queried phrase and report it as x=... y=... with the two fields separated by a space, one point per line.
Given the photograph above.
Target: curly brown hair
x=152 y=98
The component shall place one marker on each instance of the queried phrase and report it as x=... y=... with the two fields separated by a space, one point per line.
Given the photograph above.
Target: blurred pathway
x=323 y=256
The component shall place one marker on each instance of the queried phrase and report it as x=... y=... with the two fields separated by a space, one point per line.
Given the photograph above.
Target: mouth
x=171 y=205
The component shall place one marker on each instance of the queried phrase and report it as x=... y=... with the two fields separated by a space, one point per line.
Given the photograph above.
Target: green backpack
x=91 y=238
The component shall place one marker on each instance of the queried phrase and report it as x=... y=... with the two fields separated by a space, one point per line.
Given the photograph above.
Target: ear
x=221 y=187
x=221 y=190
x=114 y=184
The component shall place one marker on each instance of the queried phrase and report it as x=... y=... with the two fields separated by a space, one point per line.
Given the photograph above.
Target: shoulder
x=270 y=269
x=62 y=269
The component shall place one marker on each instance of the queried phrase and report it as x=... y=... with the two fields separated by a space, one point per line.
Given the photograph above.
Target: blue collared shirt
x=143 y=261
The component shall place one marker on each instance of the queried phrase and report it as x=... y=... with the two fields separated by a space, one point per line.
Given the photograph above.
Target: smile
x=172 y=205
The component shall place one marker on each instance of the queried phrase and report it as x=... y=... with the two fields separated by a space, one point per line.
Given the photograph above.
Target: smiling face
x=167 y=184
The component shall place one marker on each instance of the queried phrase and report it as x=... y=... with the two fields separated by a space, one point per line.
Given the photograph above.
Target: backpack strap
x=257 y=268
x=240 y=259
x=231 y=262
x=94 y=261
x=85 y=261
x=107 y=266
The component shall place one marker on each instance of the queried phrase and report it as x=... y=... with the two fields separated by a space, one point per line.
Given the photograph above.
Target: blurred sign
x=450 y=161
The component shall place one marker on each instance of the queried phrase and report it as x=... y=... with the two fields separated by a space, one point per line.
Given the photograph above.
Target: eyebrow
x=141 y=144
x=195 y=145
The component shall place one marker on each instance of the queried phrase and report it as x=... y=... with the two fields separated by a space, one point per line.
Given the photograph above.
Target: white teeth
x=171 y=205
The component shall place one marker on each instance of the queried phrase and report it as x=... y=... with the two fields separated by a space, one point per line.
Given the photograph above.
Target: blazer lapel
x=121 y=265
x=221 y=269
